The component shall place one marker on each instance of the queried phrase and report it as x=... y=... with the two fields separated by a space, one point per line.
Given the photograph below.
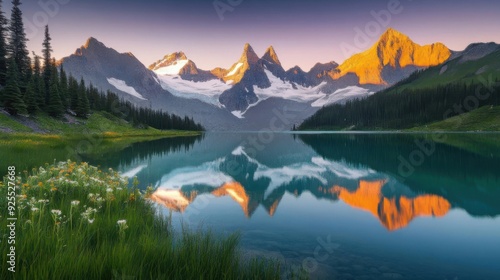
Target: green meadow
x=75 y=221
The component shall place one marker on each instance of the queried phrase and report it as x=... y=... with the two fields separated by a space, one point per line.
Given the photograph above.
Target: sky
x=212 y=33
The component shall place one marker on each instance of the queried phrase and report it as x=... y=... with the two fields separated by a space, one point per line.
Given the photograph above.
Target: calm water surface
x=342 y=206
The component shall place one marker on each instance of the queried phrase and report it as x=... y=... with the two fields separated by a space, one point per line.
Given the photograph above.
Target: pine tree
x=38 y=82
x=30 y=98
x=47 y=59
x=63 y=87
x=55 y=106
x=3 y=47
x=83 y=107
x=73 y=93
x=13 y=102
x=17 y=44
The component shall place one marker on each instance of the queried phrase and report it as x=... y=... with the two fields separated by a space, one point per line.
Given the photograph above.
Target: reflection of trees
x=469 y=181
x=144 y=151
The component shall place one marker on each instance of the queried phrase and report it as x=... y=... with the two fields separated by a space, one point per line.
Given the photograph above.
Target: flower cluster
x=50 y=191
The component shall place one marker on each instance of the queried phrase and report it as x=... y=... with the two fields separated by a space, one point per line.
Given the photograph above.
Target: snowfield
x=286 y=90
x=210 y=91
x=207 y=92
x=172 y=69
x=122 y=86
x=348 y=93
x=238 y=114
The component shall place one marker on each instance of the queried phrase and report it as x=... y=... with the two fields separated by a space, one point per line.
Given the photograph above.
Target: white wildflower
x=56 y=212
x=96 y=180
x=34 y=209
x=75 y=203
x=109 y=190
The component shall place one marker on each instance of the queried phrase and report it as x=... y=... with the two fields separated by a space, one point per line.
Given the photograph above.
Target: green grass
x=68 y=228
x=100 y=123
x=465 y=72
x=486 y=118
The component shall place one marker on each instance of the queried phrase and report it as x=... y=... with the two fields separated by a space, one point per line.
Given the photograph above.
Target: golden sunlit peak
x=249 y=55
x=271 y=56
x=391 y=32
x=393 y=50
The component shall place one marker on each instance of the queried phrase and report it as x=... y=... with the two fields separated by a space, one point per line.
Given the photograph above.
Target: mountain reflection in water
x=395 y=207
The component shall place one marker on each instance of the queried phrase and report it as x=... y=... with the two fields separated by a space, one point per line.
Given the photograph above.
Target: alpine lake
x=339 y=205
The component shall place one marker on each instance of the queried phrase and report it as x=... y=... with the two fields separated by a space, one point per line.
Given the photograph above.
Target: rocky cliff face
x=390 y=59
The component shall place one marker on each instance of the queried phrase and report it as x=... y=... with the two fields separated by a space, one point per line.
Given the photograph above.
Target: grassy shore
x=27 y=142
x=99 y=123
x=76 y=222
x=484 y=119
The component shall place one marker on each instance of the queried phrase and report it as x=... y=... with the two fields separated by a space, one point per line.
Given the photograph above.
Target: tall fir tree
x=3 y=46
x=54 y=106
x=83 y=107
x=30 y=97
x=47 y=59
x=12 y=98
x=38 y=81
x=63 y=87
x=17 y=43
x=73 y=93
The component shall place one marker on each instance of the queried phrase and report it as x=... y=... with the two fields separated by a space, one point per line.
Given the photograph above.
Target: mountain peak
x=271 y=56
x=249 y=55
x=176 y=56
x=93 y=42
x=393 y=51
x=392 y=35
x=171 y=64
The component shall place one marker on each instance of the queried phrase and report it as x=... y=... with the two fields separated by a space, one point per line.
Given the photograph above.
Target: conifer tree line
x=407 y=109
x=35 y=85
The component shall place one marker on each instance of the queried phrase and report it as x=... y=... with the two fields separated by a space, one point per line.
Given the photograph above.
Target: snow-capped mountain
x=178 y=64
x=245 y=95
x=253 y=80
x=125 y=75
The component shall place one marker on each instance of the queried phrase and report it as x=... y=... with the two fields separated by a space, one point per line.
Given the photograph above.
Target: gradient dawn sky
x=302 y=32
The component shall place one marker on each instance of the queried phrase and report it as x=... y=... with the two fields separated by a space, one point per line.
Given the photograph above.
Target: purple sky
x=302 y=32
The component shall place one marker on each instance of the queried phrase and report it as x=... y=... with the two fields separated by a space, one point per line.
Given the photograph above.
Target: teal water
x=342 y=206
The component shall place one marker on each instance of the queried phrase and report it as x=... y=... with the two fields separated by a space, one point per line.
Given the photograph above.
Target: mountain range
x=247 y=95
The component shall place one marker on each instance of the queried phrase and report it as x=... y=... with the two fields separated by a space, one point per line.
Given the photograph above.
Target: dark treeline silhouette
x=407 y=109
x=28 y=88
